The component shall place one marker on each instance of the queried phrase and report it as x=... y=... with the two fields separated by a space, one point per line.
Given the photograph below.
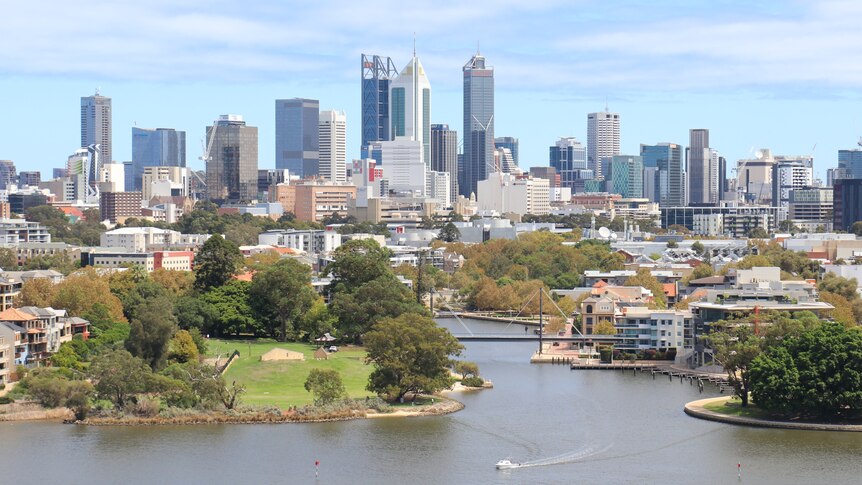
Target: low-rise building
x=119 y=206
x=13 y=350
x=143 y=239
x=311 y=241
x=150 y=261
x=46 y=328
x=17 y=231
x=642 y=328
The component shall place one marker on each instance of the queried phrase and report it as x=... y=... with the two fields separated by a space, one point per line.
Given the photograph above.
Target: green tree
x=815 y=374
x=356 y=262
x=359 y=310
x=118 y=375
x=700 y=271
x=193 y=312
x=280 y=295
x=758 y=233
x=216 y=263
x=232 y=309
x=182 y=348
x=856 y=228
x=644 y=278
x=735 y=349
x=8 y=259
x=672 y=244
x=466 y=368
x=698 y=248
x=410 y=354
x=604 y=328
x=151 y=331
x=325 y=385
x=66 y=357
x=839 y=285
x=316 y=321
x=51 y=217
x=449 y=233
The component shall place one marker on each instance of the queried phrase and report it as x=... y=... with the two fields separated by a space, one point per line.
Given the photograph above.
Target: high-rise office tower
x=377 y=73
x=296 y=136
x=849 y=164
x=444 y=155
x=603 y=140
x=232 y=165
x=670 y=180
x=625 y=176
x=569 y=157
x=8 y=175
x=161 y=147
x=410 y=107
x=332 y=131
x=702 y=170
x=509 y=142
x=96 y=124
x=478 y=122
x=788 y=175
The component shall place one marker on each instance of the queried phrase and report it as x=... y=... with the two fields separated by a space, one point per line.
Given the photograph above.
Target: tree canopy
x=410 y=354
x=216 y=262
x=280 y=295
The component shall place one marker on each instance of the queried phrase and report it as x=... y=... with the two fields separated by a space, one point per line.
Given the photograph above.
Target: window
x=589 y=309
x=589 y=320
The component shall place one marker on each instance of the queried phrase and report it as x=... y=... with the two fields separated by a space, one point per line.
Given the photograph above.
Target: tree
x=280 y=295
x=359 y=310
x=8 y=259
x=232 y=309
x=216 y=262
x=151 y=331
x=843 y=311
x=817 y=373
x=194 y=313
x=672 y=244
x=51 y=217
x=356 y=262
x=39 y=292
x=645 y=279
x=325 y=385
x=146 y=290
x=449 y=233
x=839 y=285
x=604 y=328
x=700 y=271
x=758 y=233
x=698 y=248
x=787 y=226
x=316 y=321
x=410 y=354
x=118 y=375
x=466 y=368
x=856 y=228
x=735 y=349
x=177 y=283
x=182 y=348
x=78 y=294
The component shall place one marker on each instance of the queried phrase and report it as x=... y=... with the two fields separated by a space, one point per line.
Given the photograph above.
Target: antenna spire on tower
x=414 y=44
x=478 y=49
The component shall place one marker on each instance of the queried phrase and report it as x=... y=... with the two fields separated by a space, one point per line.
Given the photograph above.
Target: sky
x=783 y=75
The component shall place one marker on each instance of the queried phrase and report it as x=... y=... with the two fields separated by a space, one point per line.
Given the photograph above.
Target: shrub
x=6 y=400
x=473 y=381
x=649 y=354
x=146 y=407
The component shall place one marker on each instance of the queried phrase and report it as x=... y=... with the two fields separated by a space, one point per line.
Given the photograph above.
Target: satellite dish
x=614 y=236
x=604 y=232
x=758 y=154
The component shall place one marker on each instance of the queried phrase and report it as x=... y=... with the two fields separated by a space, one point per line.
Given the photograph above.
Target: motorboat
x=506 y=464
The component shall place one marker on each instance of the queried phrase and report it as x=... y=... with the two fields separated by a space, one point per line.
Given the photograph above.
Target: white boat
x=506 y=464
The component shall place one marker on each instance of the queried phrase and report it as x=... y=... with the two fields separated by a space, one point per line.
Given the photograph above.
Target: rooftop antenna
x=479 y=53
x=98 y=91
x=606 y=104
x=414 y=44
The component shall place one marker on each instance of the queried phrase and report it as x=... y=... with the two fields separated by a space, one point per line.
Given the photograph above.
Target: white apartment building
x=17 y=231
x=507 y=193
x=439 y=188
x=332 y=137
x=309 y=241
x=164 y=181
x=143 y=239
x=640 y=328
x=403 y=168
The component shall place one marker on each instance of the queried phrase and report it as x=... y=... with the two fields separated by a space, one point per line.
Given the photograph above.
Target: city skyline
x=765 y=98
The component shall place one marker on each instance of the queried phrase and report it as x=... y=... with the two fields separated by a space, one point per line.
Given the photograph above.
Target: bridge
x=512 y=337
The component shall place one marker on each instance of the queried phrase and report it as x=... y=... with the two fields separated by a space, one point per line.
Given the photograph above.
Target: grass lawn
x=281 y=383
x=733 y=407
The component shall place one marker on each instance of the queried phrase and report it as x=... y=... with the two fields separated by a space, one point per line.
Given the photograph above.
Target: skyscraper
x=410 y=107
x=667 y=158
x=8 y=175
x=478 y=123
x=232 y=165
x=625 y=176
x=296 y=136
x=332 y=131
x=702 y=170
x=569 y=157
x=603 y=139
x=96 y=124
x=444 y=155
x=788 y=175
x=161 y=147
x=377 y=73
x=509 y=142
x=849 y=164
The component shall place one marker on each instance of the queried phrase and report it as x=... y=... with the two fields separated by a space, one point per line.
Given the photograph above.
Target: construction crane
x=206 y=147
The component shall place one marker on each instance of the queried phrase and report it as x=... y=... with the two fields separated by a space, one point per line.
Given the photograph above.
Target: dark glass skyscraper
x=478 y=123
x=161 y=147
x=296 y=136
x=377 y=73
x=444 y=154
x=232 y=166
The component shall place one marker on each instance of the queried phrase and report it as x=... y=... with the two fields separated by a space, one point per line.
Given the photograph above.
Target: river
x=609 y=427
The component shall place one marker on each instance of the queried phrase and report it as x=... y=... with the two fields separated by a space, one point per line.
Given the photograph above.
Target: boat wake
x=567 y=457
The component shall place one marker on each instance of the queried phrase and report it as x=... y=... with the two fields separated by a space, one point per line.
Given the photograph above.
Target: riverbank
x=32 y=412
x=709 y=409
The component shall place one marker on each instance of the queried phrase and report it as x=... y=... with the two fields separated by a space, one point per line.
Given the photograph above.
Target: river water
x=602 y=427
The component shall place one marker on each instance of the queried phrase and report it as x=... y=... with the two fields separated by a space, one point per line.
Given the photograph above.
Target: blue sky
x=783 y=75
